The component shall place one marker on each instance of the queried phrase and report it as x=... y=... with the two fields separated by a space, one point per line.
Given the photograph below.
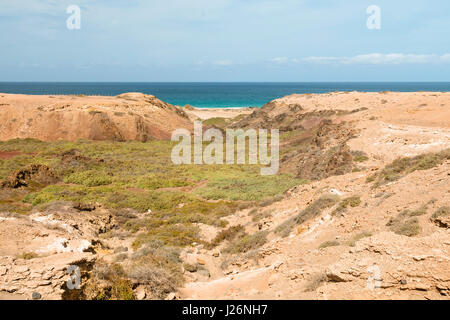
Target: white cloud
x=280 y=60
x=379 y=58
x=320 y=60
x=445 y=57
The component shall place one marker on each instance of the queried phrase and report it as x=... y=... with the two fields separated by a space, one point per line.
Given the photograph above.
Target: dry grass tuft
x=247 y=243
x=327 y=244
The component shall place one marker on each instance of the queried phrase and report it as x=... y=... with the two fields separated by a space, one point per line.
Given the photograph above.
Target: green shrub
x=269 y=201
x=327 y=244
x=403 y=166
x=246 y=185
x=259 y=215
x=418 y=212
x=247 y=243
x=358 y=237
x=353 y=202
x=315 y=282
x=310 y=212
x=216 y=122
x=158 y=267
x=441 y=212
x=198 y=211
x=285 y=228
x=171 y=235
x=359 y=156
x=28 y=255
x=404 y=226
x=227 y=235
x=122 y=289
x=91 y=178
x=153 y=182
x=190 y=267
x=314 y=209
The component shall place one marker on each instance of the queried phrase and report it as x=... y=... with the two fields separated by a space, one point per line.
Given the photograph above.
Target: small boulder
x=36 y=296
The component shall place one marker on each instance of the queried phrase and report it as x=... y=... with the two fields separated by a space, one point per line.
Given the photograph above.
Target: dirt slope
x=427 y=109
x=384 y=233
x=130 y=116
x=358 y=252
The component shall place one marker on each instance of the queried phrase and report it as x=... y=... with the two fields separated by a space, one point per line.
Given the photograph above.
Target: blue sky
x=225 y=40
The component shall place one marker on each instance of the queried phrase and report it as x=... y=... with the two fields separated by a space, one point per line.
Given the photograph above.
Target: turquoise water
x=215 y=95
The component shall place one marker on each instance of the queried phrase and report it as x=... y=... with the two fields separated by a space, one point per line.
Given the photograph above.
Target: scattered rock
x=35 y=295
x=30 y=176
x=140 y=293
x=171 y=296
x=336 y=192
x=84 y=206
x=337 y=276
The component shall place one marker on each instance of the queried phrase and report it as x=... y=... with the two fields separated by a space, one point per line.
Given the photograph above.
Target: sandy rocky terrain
x=130 y=116
x=362 y=257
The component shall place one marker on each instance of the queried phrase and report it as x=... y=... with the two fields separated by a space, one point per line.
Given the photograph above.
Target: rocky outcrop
x=29 y=176
x=42 y=254
x=321 y=153
x=46 y=278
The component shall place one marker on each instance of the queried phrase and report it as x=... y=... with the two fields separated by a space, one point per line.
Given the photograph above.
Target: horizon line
x=224 y=81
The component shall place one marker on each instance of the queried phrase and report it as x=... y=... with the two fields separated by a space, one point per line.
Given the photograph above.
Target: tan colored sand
x=430 y=109
x=131 y=116
x=208 y=113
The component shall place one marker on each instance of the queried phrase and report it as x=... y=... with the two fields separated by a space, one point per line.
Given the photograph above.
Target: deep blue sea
x=218 y=95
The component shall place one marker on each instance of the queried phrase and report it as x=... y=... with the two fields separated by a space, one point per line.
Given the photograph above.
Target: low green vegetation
x=116 y=287
x=404 y=225
x=155 y=266
x=141 y=177
x=269 y=201
x=365 y=234
x=135 y=175
x=244 y=183
x=158 y=267
x=315 y=282
x=261 y=214
x=420 y=211
x=327 y=244
x=247 y=242
x=310 y=212
x=228 y=234
x=190 y=267
x=155 y=202
x=133 y=167
x=441 y=212
x=179 y=235
x=353 y=202
x=359 y=156
x=417 y=212
x=404 y=166
x=217 y=122
x=28 y=255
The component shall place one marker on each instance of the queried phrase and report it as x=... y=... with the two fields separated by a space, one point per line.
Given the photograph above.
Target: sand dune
x=131 y=116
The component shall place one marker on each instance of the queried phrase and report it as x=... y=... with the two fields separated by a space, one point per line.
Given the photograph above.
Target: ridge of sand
x=130 y=116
